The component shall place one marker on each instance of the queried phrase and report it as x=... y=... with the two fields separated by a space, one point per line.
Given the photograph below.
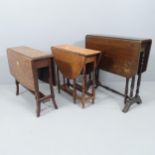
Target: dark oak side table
x=24 y=63
x=123 y=56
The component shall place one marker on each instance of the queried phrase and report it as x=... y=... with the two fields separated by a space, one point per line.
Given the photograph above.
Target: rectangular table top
x=77 y=50
x=30 y=52
x=118 y=37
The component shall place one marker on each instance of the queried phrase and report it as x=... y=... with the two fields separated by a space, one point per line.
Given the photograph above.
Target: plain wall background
x=44 y=23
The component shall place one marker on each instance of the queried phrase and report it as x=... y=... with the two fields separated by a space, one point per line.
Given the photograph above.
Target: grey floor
x=99 y=129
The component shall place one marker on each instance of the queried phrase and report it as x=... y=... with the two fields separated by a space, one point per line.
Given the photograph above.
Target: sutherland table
x=71 y=61
x=24 y=63
x=123 y=56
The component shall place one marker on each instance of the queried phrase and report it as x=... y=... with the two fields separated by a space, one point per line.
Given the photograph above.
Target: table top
x=119 y=37
x=77 y=50
x=30 y=52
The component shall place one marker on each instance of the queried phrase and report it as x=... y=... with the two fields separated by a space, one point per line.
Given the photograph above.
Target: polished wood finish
x=24 y=64
x=71 y=62
x=123 y=56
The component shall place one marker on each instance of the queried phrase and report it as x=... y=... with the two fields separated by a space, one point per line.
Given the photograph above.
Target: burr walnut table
x=24 y=64
x=123 y=56
x=71 y=62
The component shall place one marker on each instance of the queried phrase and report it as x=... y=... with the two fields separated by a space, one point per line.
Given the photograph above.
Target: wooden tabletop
x=117 y=37
x=30 y=52
x=77 y=50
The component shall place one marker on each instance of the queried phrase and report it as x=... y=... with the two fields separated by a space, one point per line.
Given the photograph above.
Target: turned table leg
x=58 y=80
x=93 y=82
x=74 y=90
x=126 y=104
x=17 y=87
x=84 y=86
x=132 y=86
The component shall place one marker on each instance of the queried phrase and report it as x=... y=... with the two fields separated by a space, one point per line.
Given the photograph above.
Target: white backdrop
x=44 y=23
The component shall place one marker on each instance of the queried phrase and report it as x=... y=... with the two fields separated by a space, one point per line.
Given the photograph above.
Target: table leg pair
x=129 y=98
x=85 y=95
x=39 y=96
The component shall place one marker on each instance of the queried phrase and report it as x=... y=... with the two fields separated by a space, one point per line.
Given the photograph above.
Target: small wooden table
x=24 y=63
x=72 y=61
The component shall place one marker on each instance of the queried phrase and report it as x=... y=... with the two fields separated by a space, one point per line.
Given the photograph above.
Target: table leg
x=64 y=81
x=51 y=86
x=84 y=86
x=132 y=86
x=74 y=90
x=94 y=82
x=139 y=79
x=68 y=82
x=17 y=87
x=97 y=82
x=38 y=104
x=58 y=80
x=127 y=104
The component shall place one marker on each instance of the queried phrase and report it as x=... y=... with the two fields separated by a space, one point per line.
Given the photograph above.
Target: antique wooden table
x=71 y=62
x=24 y=64
x=126 y=57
